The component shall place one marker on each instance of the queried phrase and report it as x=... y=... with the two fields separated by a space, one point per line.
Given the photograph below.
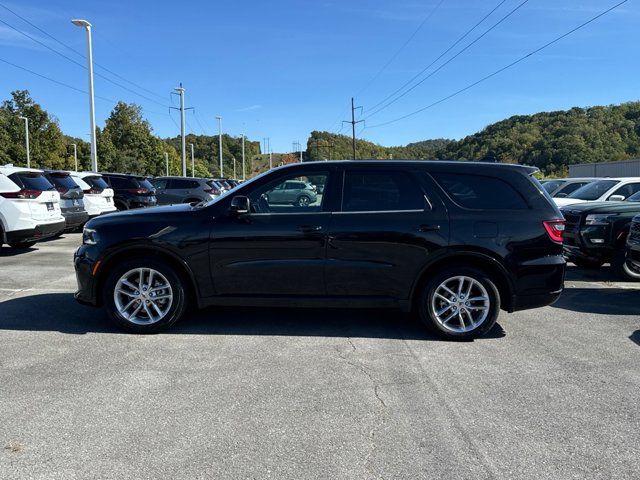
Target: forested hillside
x=548 y=140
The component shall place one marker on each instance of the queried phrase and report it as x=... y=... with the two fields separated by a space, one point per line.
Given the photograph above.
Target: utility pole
x=75 y=155
x=234 y=168
x=193 y=163
x=166 y=161
x=244 y=171
x=183 y=139
x=92 y=109
x=300 y=147
x=26 y=133
x=353 y=123
x=219 y=118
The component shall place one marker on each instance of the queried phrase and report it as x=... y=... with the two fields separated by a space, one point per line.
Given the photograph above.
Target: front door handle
x=310 y=228
x=428 y=228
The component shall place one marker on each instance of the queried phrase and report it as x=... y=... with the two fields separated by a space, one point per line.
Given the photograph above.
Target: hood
x=563 y=202
x=603 y=207
x=139 y=215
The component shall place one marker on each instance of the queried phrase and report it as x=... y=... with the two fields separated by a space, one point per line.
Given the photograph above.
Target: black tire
x=303 y=201
x=583 y=263
x=22 y=245
x=625 y=269
x=428 y=297
x=173 y=314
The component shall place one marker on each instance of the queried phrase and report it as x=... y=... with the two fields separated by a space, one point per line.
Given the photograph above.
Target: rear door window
x=31 y=181
x=479 y=192
x=97 y=182
x=367 y=191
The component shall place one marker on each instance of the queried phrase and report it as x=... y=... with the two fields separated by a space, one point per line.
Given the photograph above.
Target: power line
x=476 y=40
x=451 y=47
x=198 y=121
x=402 y=47
x=77 y=52
x=79 y=64
x=533 y=52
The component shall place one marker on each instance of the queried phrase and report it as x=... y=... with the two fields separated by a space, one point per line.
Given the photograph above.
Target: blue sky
x=285 y=67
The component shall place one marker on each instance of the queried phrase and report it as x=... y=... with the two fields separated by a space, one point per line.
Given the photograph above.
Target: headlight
x=598 y=219
x=89 y=236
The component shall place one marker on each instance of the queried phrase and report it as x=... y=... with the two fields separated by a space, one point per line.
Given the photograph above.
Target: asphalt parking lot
x=306 y=394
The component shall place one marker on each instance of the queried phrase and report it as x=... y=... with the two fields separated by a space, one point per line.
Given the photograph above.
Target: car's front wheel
x=144 y=296
x=460 y=303
x=303 y=201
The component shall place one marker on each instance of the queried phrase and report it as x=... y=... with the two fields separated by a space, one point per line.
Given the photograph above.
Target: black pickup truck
x=596 y=233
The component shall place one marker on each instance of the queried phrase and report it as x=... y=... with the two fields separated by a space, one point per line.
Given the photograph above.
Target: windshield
x=551 y=185
x=594 y=190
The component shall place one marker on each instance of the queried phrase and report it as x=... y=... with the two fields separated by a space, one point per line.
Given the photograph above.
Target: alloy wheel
x=460 y=304
x=143 y=296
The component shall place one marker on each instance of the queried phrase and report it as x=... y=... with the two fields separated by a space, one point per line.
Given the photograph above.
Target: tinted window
x=551 y=185
x=627 y=190
x=62 y=181
x=571 y=187
x=634 y=198
x=179 y=183
x=122 y=182
x=594 y=190
x=160 y=183
x=275 y=197
x=480 y=192
x=144 y=183
x=97 y=182
x=31 y=181
x=381 y=191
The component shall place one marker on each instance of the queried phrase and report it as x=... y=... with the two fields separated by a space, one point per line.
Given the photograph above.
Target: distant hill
x=549 y=140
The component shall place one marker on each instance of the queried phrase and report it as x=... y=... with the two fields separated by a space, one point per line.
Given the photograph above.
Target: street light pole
x=75 y=155
x=166 y=161
x=193 y=163
x=244 y=172
x=92 y=109
x=220 y=144
x=26 y=133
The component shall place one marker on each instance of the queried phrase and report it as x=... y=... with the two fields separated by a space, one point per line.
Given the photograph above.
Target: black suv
x=130 y=191
x=454 y=241
x=596 y=232
x=631 y=267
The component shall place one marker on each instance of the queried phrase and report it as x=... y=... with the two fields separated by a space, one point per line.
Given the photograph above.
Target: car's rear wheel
x=460 y=303
x=303 y=201
x=21 y=245
x=144 y=296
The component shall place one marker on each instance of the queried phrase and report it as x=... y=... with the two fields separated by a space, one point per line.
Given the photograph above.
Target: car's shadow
x=60 y=312
x=6 y=251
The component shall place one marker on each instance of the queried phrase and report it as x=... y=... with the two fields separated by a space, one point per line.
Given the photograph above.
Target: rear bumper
x=34 y=234
x=539 y=282
x=75 y=219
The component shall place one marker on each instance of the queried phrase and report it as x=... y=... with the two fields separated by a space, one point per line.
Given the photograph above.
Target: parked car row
x=39 y=204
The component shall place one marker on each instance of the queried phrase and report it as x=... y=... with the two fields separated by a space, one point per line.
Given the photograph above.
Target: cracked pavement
x=311 y=394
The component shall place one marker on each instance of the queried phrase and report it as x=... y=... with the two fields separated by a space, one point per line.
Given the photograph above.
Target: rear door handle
x=428 y=228
x=310 y=228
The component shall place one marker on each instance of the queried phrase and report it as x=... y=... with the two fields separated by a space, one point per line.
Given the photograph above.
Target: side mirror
x=617 y=198
x=561 y=195
x=239 y=205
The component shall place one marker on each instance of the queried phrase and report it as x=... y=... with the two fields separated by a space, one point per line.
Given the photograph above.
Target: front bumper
x=589 y=243
x=84 y=262
x=40 y=232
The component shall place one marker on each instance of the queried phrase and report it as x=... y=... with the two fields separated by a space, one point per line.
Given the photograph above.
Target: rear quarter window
x=480 y=192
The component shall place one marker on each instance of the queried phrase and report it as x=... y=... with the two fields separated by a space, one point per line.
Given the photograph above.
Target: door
x=161 y=184
x=276 y=249
x=381 y=238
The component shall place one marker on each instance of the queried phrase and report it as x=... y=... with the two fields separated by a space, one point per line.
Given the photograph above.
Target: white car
x=29 y=207
x=605 y=189
x=98 y=196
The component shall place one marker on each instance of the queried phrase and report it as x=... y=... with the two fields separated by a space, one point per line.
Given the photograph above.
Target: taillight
x=93 y=191
x=24 y=194
x=138 y=191
x=555 y=229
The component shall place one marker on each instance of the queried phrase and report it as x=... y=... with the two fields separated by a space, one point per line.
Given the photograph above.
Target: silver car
x=171 y=190
x=294 y=192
